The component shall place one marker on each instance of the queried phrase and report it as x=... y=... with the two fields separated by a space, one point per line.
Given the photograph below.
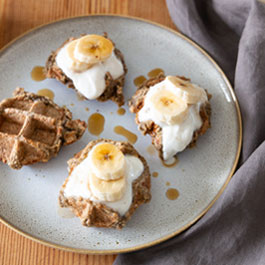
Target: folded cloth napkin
x=233 y=230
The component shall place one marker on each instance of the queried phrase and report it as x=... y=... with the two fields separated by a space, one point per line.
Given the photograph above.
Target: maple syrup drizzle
x=46 y=93
x=121 y=111
x=131 y=137
x=37 y=73
x=155 y=72
x=172 y=194
x=155 y=174
x=171 y=164
x=96 y=124
x=139 y=80
x=151 y=150
x=80 y=97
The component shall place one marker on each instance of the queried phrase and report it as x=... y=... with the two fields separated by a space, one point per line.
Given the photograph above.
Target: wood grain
x=17 y=17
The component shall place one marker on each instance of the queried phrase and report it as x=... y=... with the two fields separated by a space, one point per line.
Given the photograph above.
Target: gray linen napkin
x=233 y=230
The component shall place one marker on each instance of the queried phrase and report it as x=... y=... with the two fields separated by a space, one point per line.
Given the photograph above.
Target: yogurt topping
x=78 y=183
x=91 y=82
x=176 y=137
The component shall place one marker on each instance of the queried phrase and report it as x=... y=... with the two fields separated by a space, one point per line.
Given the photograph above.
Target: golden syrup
x=139 y=80
x=80 y=97
x=172 y=194
x=87 y=109
x=155 y=72
x=155 y=174
x=131 y=137
x=96 y=124
x=151 y=150
x=46 y=93
x=167 y=183
x=37 y=73
x=65 y=212
x=121 y=111
x=171 y=164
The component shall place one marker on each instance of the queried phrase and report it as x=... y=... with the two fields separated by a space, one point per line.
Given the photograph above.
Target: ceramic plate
x=29 y=197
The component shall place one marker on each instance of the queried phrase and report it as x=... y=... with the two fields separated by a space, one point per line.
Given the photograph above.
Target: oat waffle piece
x=154 y=130
x=33 y=129
x=98 y=214
x=114 y=87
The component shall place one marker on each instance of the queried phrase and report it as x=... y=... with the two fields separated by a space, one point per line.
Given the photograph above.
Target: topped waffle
x=33 y=128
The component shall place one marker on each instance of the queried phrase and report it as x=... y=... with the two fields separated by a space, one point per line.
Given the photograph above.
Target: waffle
x=33 y=128
x=153 y=129
x=98 y=214
x=114 y=87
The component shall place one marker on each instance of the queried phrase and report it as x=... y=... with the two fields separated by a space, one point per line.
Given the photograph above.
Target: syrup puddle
x=37 y=73
x=121 y=111
x=155 y=72
x=65 y=212
x=155 y=174
x=96 y=124
x=46 y=93
x=151 y=150
x=131 y=137
x=172 y=194
x=139 y=80
x=170 y=163
x=80 y=97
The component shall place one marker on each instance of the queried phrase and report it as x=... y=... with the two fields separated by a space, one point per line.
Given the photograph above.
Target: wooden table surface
x=18 y=16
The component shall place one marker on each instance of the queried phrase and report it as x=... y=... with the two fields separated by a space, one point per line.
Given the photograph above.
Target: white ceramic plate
x=28 y=197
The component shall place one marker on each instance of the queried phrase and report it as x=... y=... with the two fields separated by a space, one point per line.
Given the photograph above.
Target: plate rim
x=162 y=239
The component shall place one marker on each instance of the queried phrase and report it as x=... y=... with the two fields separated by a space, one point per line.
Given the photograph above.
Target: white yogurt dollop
x=175 y=138
x=78 y=183
x=91 y=82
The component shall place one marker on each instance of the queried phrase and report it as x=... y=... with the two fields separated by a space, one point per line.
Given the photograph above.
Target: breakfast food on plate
x=107 y=182
x=92 y=65
x=173 y=111
x=33 y=129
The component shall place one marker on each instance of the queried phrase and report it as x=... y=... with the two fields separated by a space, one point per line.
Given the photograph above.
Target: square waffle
x=33 y=129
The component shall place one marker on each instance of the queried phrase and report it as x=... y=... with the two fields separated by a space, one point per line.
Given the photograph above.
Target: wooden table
x=18 y=16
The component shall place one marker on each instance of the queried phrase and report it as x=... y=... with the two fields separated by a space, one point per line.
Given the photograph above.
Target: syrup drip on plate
x=131 y=137
x=155 y=72
x=155 y=174
x=121 y=111
x=96 y=124
x=139 y=80
x=151 y=150
x=37 y=73
x=46 y=93
x=172 y=194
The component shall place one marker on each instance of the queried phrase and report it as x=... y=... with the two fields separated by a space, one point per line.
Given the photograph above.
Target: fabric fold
x=233 y=231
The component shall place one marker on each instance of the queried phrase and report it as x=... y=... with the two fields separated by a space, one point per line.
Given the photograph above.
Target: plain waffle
x=33 y=128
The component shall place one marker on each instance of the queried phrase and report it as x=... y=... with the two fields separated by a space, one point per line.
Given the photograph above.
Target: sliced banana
x=190 y=93
x=107 y=161
x=168 y=107
x=92 y=49
x=76 y=65
x=109 y=191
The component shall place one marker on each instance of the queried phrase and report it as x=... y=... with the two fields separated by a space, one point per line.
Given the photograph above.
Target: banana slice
x=168 y=107
x=76 y=65
x=107 y=161
x=190 y=93
x=92 y=49
x=109 y=191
